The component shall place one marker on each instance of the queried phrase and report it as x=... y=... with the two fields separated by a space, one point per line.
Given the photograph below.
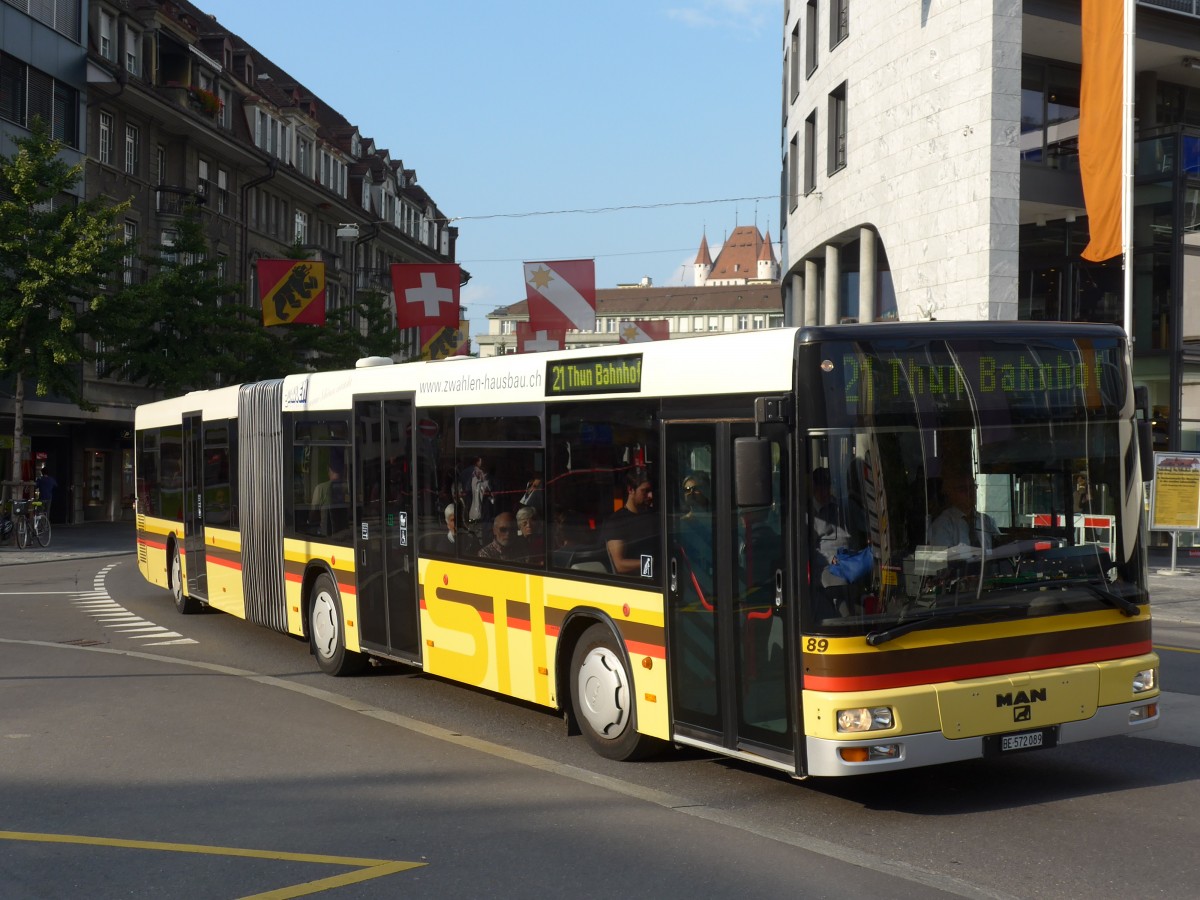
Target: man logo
x=1022 y=713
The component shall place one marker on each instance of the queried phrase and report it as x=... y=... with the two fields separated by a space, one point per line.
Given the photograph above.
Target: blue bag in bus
x=853 y=565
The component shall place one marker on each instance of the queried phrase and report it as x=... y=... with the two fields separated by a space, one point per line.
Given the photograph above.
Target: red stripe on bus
x=520 y=624
x=155 y=544
x=236 y=565
x=980 y=670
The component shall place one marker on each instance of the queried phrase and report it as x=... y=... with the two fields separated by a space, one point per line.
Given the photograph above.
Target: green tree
x=185 y=327
x=57 y=257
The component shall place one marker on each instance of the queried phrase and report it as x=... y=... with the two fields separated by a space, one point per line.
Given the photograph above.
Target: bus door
x=726 y=634
x=385 y=531
x=193 y=505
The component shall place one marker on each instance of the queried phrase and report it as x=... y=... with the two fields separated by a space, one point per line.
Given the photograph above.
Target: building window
x=714 y=323
x=131 y=149
x=698 y=323
x=224 y=117
x=810 y=38
x=108 y=48
x=131 y=250
x=839 y=22
x=66 y=114
x=810 y=153
x=222 y=190
x=301 y=227
x=12 y=89
x=105 y=149
x=837 y=128
x=133 y=51
x=793 y=67
x=743 y=322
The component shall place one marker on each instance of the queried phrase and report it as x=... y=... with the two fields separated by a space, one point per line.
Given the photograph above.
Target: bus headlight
x=864 y=718
x=1145 y=680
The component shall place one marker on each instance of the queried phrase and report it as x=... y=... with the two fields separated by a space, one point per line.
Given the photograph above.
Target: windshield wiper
x=1124 y=604
x=875 y=638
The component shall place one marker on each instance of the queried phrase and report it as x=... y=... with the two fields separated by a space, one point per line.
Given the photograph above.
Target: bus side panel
x=499 y=630
x=223 y=562
x=152 y=537
x=299 y=558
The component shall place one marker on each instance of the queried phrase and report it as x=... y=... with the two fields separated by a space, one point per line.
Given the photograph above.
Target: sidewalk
x=74 y=542
x=1173 y=597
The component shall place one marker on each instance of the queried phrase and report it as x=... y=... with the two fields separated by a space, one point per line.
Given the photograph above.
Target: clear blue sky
x=521 y=106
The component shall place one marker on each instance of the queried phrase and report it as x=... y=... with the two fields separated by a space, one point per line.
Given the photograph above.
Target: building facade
x=930 y=170
x=171 y=108
x=738 y=291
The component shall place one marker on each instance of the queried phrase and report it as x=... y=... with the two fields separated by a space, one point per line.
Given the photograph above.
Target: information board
x=1175 y=497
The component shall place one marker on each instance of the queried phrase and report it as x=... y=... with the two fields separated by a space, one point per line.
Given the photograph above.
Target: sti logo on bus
x=613 y=374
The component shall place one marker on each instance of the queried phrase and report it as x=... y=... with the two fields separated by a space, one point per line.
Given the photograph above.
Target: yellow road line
x=368 y=868
x=1176 y=649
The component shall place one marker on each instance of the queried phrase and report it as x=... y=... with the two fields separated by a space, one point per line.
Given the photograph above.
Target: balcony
x=171 y=199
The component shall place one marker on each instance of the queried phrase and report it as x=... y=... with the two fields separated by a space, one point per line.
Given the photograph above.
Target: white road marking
x=107 y=612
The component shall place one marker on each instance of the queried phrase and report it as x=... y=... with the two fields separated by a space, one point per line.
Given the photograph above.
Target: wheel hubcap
x=324 y=624
x=176 y=572
x=604 y=692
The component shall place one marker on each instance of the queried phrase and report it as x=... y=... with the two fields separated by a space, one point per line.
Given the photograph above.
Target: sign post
x=1175 y=497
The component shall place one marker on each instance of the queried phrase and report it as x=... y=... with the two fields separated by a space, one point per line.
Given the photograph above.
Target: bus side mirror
x=1145 y=431
x=1145 y=437
x=752 y=472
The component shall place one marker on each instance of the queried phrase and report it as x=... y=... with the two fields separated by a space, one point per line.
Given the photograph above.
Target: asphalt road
x=122 y=721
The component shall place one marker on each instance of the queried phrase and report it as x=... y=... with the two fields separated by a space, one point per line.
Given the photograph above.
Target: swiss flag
x=636 y=332
x=562 y=294
x=426 y=295
x=531 y=340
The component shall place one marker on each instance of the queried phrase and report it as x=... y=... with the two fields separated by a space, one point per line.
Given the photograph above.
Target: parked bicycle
x=26 y=520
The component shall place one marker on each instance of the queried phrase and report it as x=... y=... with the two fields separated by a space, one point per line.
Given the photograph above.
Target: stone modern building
x=930 y=170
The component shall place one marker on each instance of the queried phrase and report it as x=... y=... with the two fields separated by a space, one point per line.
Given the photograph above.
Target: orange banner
x=1100 y=125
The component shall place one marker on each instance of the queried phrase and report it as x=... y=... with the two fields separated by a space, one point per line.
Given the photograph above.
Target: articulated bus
x=829 y=550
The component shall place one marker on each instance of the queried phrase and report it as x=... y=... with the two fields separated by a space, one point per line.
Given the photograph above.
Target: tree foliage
x=184 y=327
x=57 y=257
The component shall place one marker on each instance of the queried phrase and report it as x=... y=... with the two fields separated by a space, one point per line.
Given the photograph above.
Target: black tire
x=41 y=529
x=22 y=526
x=603 y=699
x=183 y=603
x=325 y=634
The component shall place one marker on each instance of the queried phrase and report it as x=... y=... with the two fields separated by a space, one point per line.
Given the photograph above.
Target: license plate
x=1037 y=739
x=1026 y=741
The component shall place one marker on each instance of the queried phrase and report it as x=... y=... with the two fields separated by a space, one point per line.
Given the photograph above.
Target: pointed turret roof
x=766 y=251
x=704 y=258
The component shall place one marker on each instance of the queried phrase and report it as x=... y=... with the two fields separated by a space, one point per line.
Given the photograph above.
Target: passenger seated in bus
x=696 y=501
x=531 y=542
x=960 y=523
x=631 y=533
x=328 y=512
x=504 y=545
x=829 y=534
x=453 y=542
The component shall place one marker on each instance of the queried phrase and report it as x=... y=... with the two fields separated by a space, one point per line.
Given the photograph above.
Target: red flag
x=535 y=340
x=426 y=295
x=292 y=291
x=636 y=332
x=1100 y=93
x=562 y=294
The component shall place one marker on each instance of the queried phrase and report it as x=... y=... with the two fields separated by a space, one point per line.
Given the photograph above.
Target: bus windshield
x=963 y=482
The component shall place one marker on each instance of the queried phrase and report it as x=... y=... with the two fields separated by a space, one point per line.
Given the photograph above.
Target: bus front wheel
x=326 y=635
x=602 y=695
x=185 y=604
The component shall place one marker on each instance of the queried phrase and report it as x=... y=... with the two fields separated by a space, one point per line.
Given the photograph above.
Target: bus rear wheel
x=602 y=696
x=185 y=604
x=326 y=635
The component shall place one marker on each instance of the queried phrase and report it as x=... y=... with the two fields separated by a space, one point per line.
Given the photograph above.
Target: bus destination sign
x=609 y=375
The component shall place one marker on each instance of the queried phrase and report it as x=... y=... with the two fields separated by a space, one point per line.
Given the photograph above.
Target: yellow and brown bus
x=805 y=603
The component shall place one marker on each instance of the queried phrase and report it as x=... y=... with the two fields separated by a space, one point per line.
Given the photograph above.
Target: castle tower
x=703 y=264
x=768 y=268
